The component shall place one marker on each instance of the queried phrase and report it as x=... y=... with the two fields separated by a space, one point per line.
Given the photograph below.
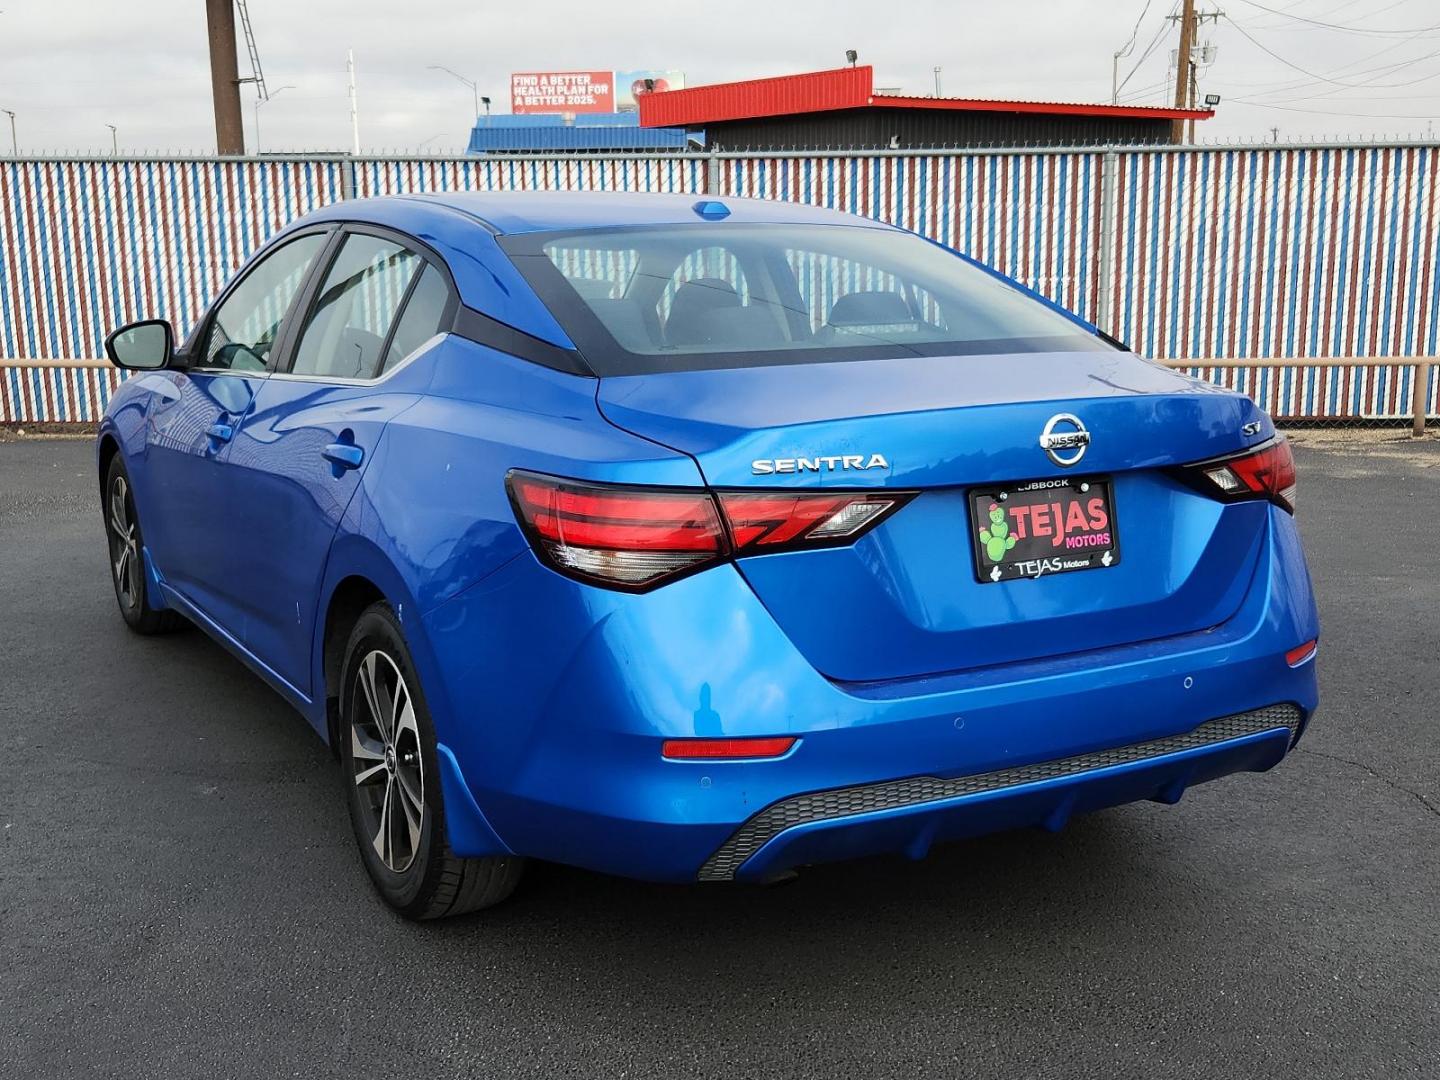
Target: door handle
x=221 y=433
x=343 y=456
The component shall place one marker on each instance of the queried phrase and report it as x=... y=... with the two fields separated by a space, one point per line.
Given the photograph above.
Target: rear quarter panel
x=432 y=517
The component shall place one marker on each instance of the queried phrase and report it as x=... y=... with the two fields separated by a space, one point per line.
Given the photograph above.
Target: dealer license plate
x=1042 y=527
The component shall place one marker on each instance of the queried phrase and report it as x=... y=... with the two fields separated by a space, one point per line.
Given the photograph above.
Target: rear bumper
x=554 y=698
x=909 y=815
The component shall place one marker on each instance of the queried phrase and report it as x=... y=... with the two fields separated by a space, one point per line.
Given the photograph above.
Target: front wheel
x=390 y=763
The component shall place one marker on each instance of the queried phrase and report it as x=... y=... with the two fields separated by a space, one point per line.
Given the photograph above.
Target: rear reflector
x=1301 y=653
x=636 y=538
x=1266 y=472
x=715 y=749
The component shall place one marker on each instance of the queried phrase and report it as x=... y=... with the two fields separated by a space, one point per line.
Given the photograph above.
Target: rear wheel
x=396 y=808
x=127 y=563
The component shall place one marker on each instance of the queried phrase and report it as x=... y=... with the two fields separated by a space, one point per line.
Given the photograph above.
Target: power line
x=1148 y=50
x=1345 y=101
x=1147 y=91
x=1129 y=46
x=1337 y=26
x=1281 y=24
x=1315 y=97
x=1286 y=85
x=1364 y=84
x=1332 y=112
x=1313 y=74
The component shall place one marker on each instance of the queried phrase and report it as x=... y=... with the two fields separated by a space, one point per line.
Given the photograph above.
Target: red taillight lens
x=771 y=521
x=1266 y=472
x=618 y=536
x=636 y=538
x=719 y=749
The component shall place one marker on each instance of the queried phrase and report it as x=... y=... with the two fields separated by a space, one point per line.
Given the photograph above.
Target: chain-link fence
x=1302 y=275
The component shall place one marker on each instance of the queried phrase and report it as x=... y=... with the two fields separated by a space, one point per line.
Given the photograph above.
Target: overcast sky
x=70 y=67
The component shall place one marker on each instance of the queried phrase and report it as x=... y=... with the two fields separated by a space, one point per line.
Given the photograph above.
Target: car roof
x=503 y=212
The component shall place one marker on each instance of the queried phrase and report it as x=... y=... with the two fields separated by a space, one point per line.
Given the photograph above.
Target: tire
x=393 y=779
x=125 y=541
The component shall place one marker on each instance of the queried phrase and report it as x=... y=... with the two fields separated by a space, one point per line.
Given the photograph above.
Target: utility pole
x=1194 y=99
x=354 y=102
x=1187 y=71
x=225 y=77
x=937 y=83
x=1184 y=68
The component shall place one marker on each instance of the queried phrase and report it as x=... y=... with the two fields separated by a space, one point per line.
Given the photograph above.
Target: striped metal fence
x=1323 y=257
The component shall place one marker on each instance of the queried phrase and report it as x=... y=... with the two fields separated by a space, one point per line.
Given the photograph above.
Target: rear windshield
x=684 y=297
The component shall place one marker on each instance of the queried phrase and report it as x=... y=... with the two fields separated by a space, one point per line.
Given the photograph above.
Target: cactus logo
x=996 y=537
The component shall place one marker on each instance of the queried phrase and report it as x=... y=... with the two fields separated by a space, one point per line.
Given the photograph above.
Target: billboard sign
x=562 y=92
x=630 y=83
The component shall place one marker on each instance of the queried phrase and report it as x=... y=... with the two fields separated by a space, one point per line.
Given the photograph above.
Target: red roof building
x=840 y=109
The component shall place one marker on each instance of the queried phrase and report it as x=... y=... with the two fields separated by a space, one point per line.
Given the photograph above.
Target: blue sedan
x=701 y=539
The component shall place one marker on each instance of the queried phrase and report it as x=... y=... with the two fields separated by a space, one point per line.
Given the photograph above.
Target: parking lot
x=179 y=894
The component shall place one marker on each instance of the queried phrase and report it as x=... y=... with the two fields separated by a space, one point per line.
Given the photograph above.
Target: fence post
x=712 y=173
x=1419 y=397
x=1105 y=255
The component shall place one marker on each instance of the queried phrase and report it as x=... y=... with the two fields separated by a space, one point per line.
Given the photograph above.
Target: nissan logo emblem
x=1064 y=439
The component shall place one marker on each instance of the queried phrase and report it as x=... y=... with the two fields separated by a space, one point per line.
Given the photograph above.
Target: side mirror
x=142 y=346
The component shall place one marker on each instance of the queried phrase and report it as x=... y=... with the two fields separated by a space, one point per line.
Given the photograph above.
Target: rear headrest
x=692 y=302
x=873 y=308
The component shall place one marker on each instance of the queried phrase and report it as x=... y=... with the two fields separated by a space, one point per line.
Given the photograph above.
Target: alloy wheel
x=124 y=545
x=386 y=760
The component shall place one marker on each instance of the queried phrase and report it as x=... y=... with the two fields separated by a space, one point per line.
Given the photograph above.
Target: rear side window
x=682 y=297
x=423 y=317
x=356 y=307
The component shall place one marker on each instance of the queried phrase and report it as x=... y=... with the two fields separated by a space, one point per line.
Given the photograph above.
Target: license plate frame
x=1035 y=555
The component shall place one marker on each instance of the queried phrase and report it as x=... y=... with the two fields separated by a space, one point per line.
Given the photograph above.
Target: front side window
x=247 y=322
x=743 y=295
x=357 y=306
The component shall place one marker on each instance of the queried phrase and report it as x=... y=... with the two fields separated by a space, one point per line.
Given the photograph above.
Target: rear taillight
x=770 y=521
x=636 y=538
x=1266 y=472
x=619 y=536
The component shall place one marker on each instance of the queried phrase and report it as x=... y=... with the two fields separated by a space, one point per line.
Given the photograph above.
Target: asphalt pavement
x=180 y=895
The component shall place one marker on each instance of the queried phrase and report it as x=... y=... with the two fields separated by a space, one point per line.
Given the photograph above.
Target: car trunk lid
x=909 y=598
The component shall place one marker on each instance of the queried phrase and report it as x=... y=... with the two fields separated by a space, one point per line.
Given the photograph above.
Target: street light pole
x=474 y=87
x=114 y=141
x=14 y=142
x=262 y=101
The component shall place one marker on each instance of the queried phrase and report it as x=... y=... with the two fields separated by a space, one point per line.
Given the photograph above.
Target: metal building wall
x=874 y=128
